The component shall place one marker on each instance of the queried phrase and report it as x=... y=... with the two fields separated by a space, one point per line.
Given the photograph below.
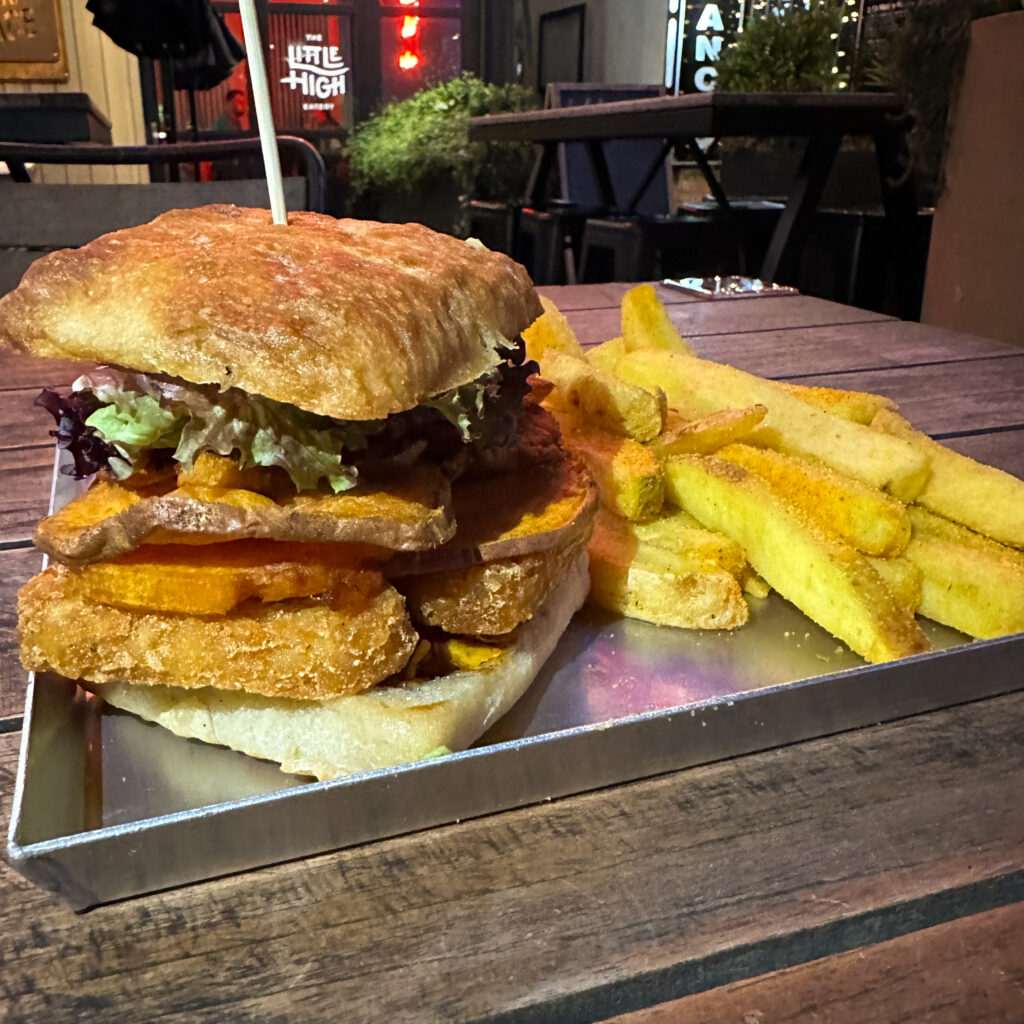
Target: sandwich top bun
x=346 y=318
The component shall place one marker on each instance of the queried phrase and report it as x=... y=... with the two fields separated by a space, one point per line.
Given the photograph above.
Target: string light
x=410 y=26
x=407 y=60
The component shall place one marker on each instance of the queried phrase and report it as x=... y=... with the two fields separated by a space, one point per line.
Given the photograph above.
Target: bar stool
x=496 y=224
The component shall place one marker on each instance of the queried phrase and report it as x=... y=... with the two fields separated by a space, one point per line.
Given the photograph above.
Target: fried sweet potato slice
x=214 y=578
x=506 y=515
x=113 y=518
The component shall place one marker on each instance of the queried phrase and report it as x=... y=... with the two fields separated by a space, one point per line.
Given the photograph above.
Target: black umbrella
x=189 y=32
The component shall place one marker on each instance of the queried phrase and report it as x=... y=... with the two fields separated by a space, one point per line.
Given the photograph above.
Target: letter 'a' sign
x=707 y=29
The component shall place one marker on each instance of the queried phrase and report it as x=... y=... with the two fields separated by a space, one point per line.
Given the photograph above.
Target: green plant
x=792 y=50
x=414 y=141
x=920 y=56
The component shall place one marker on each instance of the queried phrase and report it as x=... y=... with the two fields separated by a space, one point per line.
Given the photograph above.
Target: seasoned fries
x=866 y=518
x=982 y=497
x=858 y=406
x=902 y=577
x=971 y=583
x=629 y=478
x=697 y=387
x=550 y=332
x=604 y=401
x=697 y=598
x=822 y=575
x=673 y=542
x=708 y=434
x=772 y=485
x=646 y=324
x=605 y=356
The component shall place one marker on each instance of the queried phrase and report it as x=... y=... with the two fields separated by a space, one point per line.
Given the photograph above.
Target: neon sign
x=317 y=70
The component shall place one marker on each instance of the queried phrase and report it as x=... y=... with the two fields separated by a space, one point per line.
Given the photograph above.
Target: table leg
x=18 y=171
x=599 y=165
x=709 y=175
x=540 y=174
x=782 y=261
x=900 y=215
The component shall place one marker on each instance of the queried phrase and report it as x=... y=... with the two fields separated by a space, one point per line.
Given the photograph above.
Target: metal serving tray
x=108 y=806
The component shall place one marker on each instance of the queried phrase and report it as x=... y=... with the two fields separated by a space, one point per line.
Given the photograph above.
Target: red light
x=410 y=26
x=408 y=60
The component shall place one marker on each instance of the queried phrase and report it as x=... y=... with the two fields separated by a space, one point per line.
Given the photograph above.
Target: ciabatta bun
x=347 y=318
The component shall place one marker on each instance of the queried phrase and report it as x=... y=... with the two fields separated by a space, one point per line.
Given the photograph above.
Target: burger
x=323 y=519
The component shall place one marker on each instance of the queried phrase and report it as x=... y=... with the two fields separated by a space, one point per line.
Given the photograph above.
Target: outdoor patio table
x=870 y=875
x=823 y=120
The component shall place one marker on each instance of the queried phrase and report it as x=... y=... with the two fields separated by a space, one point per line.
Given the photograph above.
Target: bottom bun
x=385 y=726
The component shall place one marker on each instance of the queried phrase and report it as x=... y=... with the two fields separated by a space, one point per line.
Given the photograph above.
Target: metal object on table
x=108 y=806
x=729 y=287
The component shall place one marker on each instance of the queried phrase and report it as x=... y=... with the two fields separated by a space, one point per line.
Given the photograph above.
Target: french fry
x=673 y=542
x=754 y=585
x=550 y=332
x=604 y=356
x=902 y=577
x=972 y=583
x=696 y=387
x=708 y=434
x=646 y=324
x=864 y=517
x=858 y=406
x=628 y=476
x=699 y=599
x=602 y=400
x=982 y=497
x=824 y=577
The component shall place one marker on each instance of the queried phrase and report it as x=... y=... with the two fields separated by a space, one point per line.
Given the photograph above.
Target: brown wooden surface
x=697 y=114
x=854 y=877
x=579 y=908
x=697 y=319
x=971 y=968
x=16 y=566
x=25 y=495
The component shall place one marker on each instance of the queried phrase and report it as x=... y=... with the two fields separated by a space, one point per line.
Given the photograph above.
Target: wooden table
x=822 y=120
x=875 y=875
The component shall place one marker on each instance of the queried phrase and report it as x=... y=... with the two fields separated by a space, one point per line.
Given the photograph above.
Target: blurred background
x=383 y=90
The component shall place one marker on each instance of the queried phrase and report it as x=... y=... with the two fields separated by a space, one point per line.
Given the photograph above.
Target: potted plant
x=412 y=161
x=794 y=49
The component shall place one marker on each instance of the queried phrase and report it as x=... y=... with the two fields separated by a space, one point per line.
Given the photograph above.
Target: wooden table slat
x=948 y=397
x=22 y=371
x=595 y=903
x=700 y=319
x=22 y=424
x=605 y=296
x=16 y=566
x=27 y=474
x=971 y=969
x=880 y=345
